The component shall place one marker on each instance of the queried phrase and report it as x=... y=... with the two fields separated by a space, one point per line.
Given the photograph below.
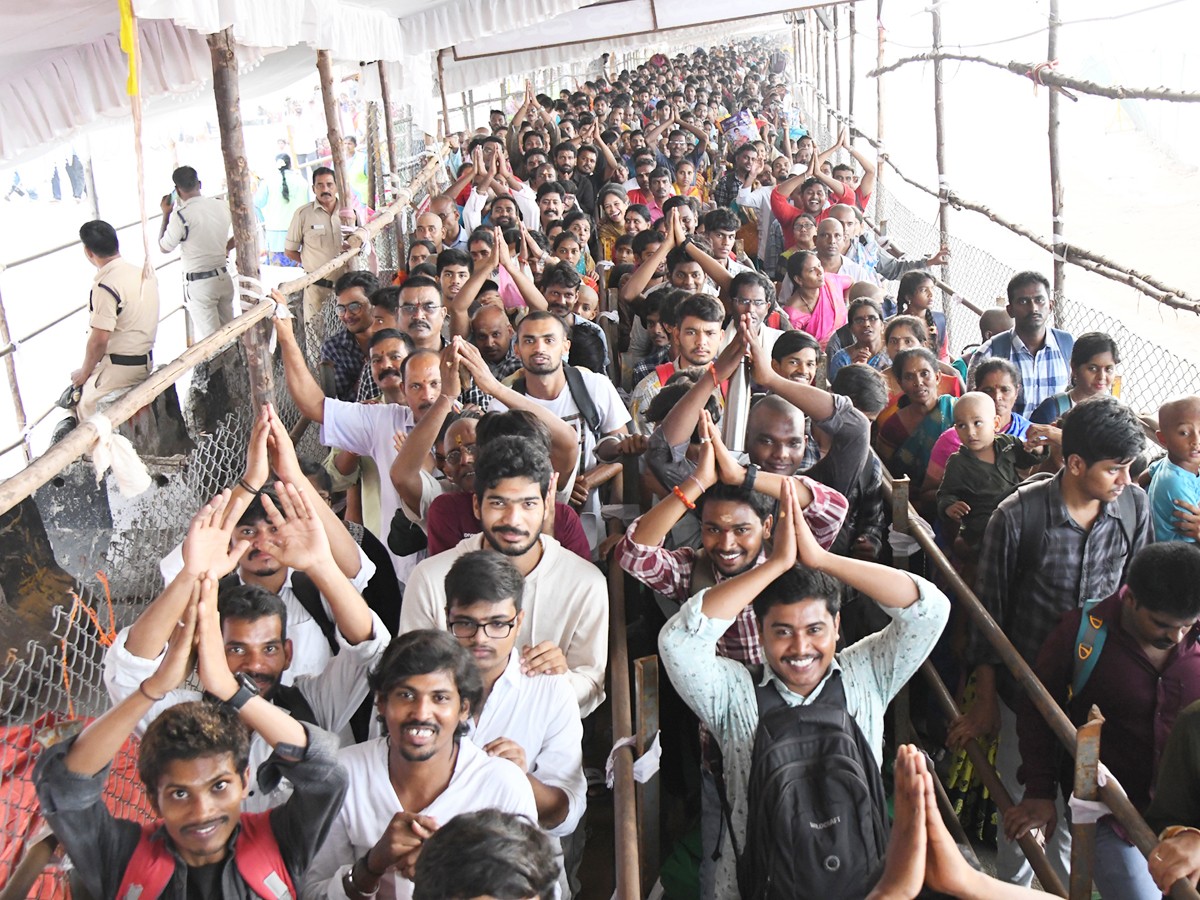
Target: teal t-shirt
x=1169 y=482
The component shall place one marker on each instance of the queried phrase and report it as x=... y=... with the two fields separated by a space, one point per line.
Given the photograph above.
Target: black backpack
x=817 y=823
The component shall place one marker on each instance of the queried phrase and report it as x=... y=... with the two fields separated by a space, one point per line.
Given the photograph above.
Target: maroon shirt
x=1139 y=704
x=451 y=518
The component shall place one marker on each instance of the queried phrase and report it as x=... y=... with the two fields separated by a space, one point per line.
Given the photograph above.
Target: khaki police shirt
x=122 y=304
x=318 y=237
x=200 y=227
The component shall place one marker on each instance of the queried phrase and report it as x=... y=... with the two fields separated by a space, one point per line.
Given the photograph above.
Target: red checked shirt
x=669 y=572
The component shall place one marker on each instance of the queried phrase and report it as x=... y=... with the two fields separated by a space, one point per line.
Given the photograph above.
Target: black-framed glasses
x=757 y=304
x=466 y=628
x=349 y=309
x=429 y=309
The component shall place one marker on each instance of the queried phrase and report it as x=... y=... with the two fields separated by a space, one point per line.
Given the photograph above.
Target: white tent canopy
x=61 y=66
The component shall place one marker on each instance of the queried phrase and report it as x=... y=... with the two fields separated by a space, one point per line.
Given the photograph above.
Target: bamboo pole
x=628 y=875
x=829 y=120
x=939 y=128
x=1039 y=74
x=837 y=59
x=1056 y=186
x=879 y=119
x=10 y=369
x=241 y=202
x=442 y=90
x=332 y=122
x=850 y=77
x=389 y=127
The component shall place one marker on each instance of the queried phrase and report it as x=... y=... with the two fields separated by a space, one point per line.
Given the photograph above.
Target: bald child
x=981 y=473
x=1176 y=478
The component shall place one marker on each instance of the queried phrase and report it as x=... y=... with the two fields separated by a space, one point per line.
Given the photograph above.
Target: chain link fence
x=1150 y=373
x=50 y=688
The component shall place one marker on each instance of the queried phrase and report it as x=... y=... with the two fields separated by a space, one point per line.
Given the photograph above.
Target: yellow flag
x=129 y=38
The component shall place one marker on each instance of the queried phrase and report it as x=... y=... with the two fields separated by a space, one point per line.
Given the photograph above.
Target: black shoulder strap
x=583 y=400
x=519 y=386
x=115 y=296
x=291 y=698
x=1033 y=524
x=310 y=598
x=1127 y=510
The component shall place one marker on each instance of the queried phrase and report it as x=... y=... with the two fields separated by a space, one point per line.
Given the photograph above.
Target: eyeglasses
x=429 y=309
x=349 y=309
x=466 y=628
x=757 y=304
x=865 y=320
x=454 y=457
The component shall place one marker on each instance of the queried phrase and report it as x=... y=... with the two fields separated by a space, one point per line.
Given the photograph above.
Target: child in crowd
x=1178 y=476
x=981 y=473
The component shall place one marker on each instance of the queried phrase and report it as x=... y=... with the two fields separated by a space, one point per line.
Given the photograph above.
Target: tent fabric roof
x=61 y=66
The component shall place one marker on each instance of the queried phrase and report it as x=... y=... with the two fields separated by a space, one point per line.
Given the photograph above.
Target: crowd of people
x=659 y=272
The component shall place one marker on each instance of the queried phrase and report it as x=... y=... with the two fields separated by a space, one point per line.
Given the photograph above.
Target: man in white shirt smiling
x=419 y=775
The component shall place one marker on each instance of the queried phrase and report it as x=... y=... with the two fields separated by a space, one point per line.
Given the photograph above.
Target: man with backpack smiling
x=801 y=737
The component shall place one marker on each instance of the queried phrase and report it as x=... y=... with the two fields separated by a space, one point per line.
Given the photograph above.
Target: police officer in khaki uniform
x=200 y=227
x=124 y=322
x=315 y=237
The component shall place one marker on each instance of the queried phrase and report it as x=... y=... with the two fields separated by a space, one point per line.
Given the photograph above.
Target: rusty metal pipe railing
x=1111 y=793
x=625 y=832
x=991 y=780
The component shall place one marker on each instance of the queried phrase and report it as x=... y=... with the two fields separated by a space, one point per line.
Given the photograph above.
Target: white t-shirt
x=479 y=782
x=368 y=429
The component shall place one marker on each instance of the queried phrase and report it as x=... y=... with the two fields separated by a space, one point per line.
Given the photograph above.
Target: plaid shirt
x=348 y=360
x=1043 y=374
x=669 y=572
x=1073 y=565
x=367 y=388
x=506 y=366
x=649 y=363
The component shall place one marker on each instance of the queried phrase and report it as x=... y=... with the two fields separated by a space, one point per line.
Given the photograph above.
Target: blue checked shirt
x=348 y=360
x=1043 y=374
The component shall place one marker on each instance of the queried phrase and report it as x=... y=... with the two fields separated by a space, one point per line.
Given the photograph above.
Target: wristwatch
x=247 y=689
x=751 y=474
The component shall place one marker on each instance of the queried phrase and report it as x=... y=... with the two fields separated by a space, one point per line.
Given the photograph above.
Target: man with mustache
x=1144 y=671
x=315 y=237
x=416 y=777
x=370 y=429
x=194 y=764
x=1041 y=353
x=566 y=601
x=254 y=623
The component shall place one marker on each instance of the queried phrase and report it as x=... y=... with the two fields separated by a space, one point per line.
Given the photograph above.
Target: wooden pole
x=880 y=209
x=816 y=66
x=1056 y=187
x=850 y=75
x=939 y=128
x=10 y=369
x=442 y=89
x=389 y=127
x=837 y=60
x=830 y=122
x=241 y=204
x=332 y=122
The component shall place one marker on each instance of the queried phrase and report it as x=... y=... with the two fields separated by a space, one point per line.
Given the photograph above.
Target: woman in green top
x=277 y=201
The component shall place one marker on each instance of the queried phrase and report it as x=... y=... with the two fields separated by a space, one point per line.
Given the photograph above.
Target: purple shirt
x=1139 y=704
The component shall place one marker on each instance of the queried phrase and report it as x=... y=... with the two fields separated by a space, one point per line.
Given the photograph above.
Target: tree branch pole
x=241 y=203
x=10 y=370
x=837 y=59
x=939 y=129
x=1056 y=186
x=828 y=84
x=337 y=150
x=389 y=127
x=850 y=77
x=879 y=118
x=1050 y=78
x=441 y=67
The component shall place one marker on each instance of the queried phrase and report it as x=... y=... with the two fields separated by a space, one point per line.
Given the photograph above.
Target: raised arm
x=414 y=453
x=564 y=442
x=272 y=723
x=867 y=185
x=309 y=397
x=533 y=298
x=98 y=744
x=699 y=133
x=302 y=544
x=640 y=279
x=460 y=306
x=681 y=421
x=656 y=523
x=208 y=548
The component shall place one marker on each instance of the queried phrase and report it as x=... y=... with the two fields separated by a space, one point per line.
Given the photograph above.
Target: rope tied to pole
x=1036 y=72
